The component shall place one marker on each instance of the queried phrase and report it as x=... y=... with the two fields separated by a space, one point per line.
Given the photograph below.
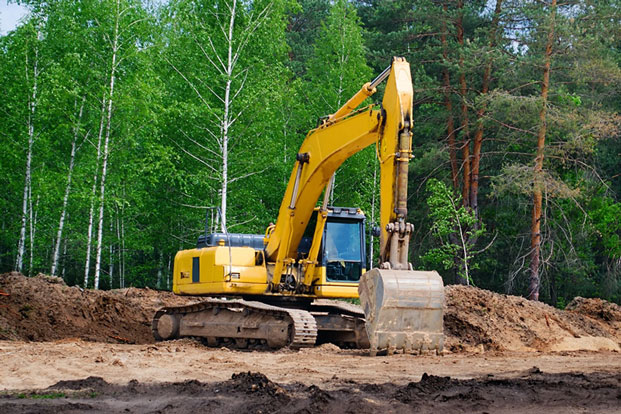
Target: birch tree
x=91 y=215
x=114 y=39
x=122 y=40
x=61 y=222
x=217 y=68
x=32 y=73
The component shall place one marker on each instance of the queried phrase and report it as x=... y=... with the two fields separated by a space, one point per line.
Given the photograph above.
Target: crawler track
x=237 y=323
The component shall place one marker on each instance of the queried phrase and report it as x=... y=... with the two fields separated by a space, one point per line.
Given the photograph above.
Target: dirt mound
x=252 y=382
x=427 y=385
x=477 y=319
x=532 y=392
x=596 y=308
x=43 y=308
x=81 y=384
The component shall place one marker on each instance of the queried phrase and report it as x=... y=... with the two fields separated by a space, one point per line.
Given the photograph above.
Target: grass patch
x=48 y=396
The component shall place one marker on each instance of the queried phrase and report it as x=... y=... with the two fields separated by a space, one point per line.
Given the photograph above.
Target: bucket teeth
x=403 y=310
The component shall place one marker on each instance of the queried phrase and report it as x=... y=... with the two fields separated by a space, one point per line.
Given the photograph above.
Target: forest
x=123 y=123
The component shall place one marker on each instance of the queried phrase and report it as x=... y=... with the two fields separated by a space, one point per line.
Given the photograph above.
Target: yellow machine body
x=234 y=272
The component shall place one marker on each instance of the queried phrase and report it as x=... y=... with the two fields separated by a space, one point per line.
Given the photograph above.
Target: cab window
x=343 y=251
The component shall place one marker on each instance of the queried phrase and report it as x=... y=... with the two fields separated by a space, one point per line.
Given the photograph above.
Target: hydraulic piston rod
x=367 y=90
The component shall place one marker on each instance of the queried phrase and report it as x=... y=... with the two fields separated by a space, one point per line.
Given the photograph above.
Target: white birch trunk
x=160 y=265
x=19 y=261
x=111 y=253
x=30 y=251
x=226 y=119
x=33 y=229
x=64 y=258
x=122 y=264
x=168 y=275
x=104 y=168
x=22 y=235
x=89 y=236
x=63 y=212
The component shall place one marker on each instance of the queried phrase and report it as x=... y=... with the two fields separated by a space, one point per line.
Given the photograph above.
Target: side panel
x=215 y=278
x=218 y=270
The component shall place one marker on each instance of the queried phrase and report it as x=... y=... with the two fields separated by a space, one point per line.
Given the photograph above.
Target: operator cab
x=343 y=250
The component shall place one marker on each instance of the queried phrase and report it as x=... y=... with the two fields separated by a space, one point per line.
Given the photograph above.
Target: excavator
x=281 y=289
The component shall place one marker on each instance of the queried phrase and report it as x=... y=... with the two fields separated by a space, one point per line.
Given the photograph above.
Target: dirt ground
x=63 y=349
x=184 y=376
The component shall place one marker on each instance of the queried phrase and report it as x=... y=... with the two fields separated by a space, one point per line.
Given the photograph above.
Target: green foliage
x=606 y=216
x=454 y=227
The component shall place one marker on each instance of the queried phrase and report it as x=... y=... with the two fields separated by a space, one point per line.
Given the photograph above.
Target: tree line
x=124 y=121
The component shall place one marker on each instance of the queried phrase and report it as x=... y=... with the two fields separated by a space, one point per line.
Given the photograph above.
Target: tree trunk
x=464 y=110
x=106 y=154
x=160 y=265
x=63 y=212
x=478 y=135
x=122 y=247
x=89 y=237
x=535 y=237
x=64 y=259
x=463 y=90
x=33 y=228
x=168 y=275
x=19 y=261
x=111 y=253
x=446 y=86
x=118 y=238
x=226 y=119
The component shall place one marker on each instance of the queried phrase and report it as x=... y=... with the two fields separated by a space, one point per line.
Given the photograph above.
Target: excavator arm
x=339 y=137
x=321 y=154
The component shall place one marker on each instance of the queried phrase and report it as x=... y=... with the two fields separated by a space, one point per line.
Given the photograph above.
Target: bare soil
x=63 y=349
x=246 y=392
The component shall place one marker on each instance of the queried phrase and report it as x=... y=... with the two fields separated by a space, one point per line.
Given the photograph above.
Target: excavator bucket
x=403 y=310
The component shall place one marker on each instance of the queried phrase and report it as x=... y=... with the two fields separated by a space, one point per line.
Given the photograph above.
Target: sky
x=10 y=15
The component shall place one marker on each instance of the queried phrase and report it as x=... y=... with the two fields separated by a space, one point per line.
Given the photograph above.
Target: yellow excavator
x=279 y=289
